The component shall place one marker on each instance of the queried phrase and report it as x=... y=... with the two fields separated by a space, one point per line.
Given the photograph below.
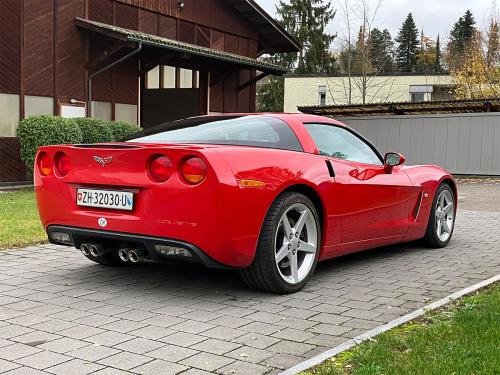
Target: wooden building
x=141 y=61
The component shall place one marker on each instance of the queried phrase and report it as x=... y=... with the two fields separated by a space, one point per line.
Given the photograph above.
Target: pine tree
x=406 y=52
x=307 y=20
x=461 y=35
x=381 y=50
x=438 y=57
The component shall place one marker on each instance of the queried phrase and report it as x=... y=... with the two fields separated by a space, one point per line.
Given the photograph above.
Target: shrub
x=121 y=129
x=94 y=130
x=37 y=131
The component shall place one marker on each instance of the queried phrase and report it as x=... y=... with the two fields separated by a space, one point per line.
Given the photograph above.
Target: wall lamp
x=180 y=5
x=74 y=101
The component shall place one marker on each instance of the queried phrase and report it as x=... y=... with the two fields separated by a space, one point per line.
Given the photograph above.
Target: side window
x=340 y=143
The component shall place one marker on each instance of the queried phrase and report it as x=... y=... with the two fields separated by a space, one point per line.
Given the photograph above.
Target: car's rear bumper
x=150 y=244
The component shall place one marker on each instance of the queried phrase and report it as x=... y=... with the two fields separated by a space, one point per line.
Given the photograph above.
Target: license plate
x=116 y=200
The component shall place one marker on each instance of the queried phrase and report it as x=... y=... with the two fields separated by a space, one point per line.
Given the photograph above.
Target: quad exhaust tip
x=85 y=249
x=96 y=250
x=123 y=254
x=136 y=256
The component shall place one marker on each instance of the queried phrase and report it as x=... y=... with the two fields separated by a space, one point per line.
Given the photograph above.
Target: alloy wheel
x=445 y=215
x=296 y=243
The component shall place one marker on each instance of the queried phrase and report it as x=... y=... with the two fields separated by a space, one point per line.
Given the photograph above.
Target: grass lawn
x=19 y=222
x=462 y=338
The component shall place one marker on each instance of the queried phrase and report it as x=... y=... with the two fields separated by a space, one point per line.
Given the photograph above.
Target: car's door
x=373 y=202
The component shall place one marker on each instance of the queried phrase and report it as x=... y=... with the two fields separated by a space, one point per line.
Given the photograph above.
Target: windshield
x=252 y=130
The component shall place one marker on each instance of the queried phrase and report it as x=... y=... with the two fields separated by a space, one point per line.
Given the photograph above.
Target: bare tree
x=356 y=55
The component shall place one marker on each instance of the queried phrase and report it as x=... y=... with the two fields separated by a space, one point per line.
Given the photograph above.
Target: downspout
x=120 y=60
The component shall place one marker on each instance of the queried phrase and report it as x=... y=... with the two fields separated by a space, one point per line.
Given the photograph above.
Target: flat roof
x=392 y=74
x=136 y=37
x=406 y=108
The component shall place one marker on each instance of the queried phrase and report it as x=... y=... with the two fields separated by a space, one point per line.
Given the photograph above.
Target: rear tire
x=288 y=247
x=442 y=218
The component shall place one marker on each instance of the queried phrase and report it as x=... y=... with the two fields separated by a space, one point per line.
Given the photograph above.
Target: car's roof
x=302 y=117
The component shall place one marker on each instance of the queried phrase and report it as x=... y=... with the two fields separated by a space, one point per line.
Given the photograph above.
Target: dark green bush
x=37 y=131
x=122 y=129
x=94 y=130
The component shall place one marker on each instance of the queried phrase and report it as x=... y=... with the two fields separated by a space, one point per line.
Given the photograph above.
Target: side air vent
x=416 y=210
x=330 y=168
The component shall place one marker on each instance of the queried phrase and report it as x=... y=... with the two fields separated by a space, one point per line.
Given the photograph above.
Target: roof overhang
x=205 y=56
x=273 y=37
x=406 y=108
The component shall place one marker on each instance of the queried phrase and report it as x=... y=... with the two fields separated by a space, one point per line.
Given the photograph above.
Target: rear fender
x=247 y=206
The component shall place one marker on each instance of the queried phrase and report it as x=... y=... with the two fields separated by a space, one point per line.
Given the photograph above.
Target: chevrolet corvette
x=268 y=194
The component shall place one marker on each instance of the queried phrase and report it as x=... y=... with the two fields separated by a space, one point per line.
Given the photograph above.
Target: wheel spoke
x=438 y=213
x=294 y=267
x=448 y=207
x=439 y=232
x=299 y=225
x=286 y=226
x=282 y=253
x=442 y=202
x=446 y=227
x=307 y=247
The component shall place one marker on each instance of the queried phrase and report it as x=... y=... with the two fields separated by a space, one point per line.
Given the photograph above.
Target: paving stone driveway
x=62 y=314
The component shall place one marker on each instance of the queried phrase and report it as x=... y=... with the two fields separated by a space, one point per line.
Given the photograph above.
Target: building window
x=322 y=95
x=417 y=97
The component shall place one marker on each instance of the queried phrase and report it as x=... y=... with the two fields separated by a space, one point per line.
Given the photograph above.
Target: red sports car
x=269 y=194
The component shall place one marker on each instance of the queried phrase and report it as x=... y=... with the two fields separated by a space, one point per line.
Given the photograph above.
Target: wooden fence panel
x=466 y=143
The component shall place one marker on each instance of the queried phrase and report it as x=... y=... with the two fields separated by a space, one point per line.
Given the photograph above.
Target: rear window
x=257 y=131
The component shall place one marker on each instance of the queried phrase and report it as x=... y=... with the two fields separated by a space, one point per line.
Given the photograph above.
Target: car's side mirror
x=393 y=159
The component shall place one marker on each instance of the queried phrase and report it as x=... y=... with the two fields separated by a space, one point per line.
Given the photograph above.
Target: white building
x=321 y=89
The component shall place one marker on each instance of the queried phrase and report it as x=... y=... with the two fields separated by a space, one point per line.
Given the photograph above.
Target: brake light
x=63 y=164
x=160 y=168
x=194 y=170
x=45 y=164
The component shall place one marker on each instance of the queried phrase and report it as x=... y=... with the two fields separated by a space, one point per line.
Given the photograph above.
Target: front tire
x=442 y=218
x=288 y=247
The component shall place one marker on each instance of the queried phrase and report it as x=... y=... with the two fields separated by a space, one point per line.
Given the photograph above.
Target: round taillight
x=160 y=168
x=194 y=170
x=63 y=164
x=45 y=164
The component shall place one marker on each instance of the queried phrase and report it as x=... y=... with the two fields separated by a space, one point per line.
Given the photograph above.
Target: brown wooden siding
x=55 y=52
x=167 y=27
x=70 y=62
x=11 y=167
x=10 y=46
x=43 y=53
x=211 y=13
x=39 y=47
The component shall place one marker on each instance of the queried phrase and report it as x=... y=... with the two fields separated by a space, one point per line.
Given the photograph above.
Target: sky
x=433 y=16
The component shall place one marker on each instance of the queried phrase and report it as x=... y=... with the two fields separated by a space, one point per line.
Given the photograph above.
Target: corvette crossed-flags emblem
x=103 y=161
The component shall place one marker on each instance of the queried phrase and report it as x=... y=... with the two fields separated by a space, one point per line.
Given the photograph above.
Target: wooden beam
x=252 y=80
x=106 y=55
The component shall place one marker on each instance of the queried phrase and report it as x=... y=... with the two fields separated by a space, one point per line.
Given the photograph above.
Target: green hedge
x=122 y=129
x=37 y=131
x=43 y=130
x=94 y=130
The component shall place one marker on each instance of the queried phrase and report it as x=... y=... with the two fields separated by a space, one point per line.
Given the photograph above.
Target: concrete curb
x=383 y=328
